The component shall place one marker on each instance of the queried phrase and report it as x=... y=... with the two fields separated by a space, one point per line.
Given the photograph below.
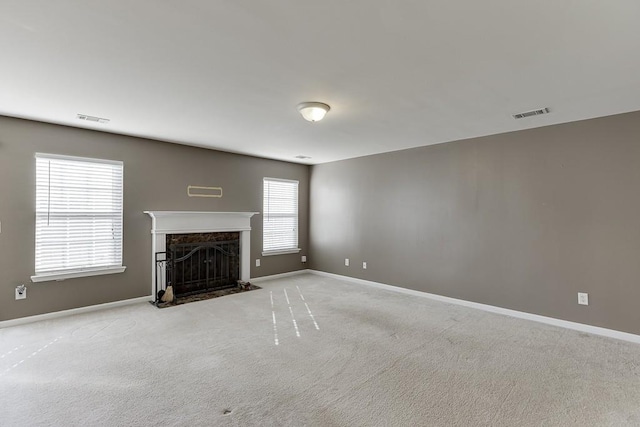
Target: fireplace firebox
x=202 y=262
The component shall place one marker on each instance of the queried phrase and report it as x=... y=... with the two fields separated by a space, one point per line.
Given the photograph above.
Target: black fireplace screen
x=200 y=267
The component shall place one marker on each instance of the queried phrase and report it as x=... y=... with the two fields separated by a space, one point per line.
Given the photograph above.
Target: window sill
x=281 y=252
x=50 y=277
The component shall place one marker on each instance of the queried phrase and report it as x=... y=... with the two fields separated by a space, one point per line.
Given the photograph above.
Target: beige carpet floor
x=355 y=356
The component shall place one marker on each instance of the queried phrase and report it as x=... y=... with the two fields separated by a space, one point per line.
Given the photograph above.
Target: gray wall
x=156 y=176
x=523 y=220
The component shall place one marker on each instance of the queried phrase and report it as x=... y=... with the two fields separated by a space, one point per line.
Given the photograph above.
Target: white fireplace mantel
x=184 y=222
x=170 y=222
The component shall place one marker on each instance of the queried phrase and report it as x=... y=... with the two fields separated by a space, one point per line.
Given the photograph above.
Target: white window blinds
x=280 y=216
x=78 y=214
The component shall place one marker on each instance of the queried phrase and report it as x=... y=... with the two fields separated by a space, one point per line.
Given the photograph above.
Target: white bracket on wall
x=198 y=191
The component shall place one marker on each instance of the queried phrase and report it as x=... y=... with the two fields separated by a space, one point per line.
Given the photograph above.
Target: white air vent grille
x=92 y=118
x=531 y=113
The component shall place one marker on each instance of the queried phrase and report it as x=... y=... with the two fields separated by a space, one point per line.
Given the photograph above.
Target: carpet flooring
x=312 y=351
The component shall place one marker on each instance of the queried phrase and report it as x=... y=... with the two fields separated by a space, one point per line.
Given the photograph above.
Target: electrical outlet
x=364 y=265
x=346 y=262
x=258 y=262
x=304 y=258
x=21 y=292
x=583 y=298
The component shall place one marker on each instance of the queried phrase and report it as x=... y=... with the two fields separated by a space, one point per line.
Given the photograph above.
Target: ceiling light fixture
x=313 y=111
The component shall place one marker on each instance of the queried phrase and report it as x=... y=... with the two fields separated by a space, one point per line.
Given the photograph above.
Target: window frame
x=296 y=247
x=68 y=273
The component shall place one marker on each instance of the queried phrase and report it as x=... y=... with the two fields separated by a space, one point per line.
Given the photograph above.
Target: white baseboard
x=48 y=316
x=63 y=313
x=279 y=276
x=596 y=330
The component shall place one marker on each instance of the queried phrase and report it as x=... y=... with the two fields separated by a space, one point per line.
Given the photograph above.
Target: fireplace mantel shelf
x=198 y=213
x=167 y=222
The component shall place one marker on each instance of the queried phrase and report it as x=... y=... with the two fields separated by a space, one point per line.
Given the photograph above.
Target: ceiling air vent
x=531 y=113
x=92 y=118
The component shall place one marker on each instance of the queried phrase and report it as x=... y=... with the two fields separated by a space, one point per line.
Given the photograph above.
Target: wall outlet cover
x=364 y=265
x=304 y=258
x=21 y=292
x=258 y=262
x=583 y=298
x=346 y=262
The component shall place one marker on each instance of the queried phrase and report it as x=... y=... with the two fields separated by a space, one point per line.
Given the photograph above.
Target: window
x=280 y=217
x=78 y=217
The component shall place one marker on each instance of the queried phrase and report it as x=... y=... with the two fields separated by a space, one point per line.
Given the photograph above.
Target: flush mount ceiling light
x=313 y=111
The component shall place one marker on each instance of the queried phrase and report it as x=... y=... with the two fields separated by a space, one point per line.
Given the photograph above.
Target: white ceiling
x=397 y=74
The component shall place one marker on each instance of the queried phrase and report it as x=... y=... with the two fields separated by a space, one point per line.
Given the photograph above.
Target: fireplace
x=201 y=262
x=199 y=251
